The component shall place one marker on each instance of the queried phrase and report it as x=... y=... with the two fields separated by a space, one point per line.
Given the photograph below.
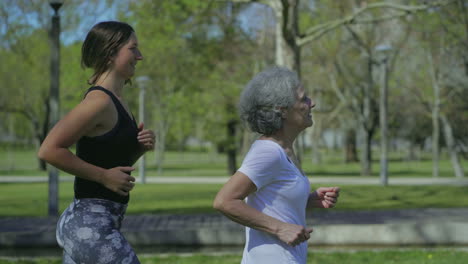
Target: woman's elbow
x=226 y=206
x=43 y=153
x=218 y=204
x=222 y=204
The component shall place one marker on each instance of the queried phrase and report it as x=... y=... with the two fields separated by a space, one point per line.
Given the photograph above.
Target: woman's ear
x=111 y=60
x=280 y=111
x=283 y=111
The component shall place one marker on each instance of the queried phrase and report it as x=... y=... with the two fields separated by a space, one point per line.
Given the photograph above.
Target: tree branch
x=359 y=41
x=23 y=112
x=316 y=32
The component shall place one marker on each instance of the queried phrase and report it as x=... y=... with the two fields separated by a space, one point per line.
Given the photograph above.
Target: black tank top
x=117 y=147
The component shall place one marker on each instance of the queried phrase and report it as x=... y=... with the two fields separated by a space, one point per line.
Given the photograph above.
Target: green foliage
x=198 y=57
x=73 y=82
x=197 y=63
x=25 y=70
x=25 y=84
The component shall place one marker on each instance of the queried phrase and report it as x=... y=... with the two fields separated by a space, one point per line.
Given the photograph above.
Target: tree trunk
x=231 y=146
x=463 y=7
x=246 y=141
x=288 y=52
x=366 y=161
x=412 y=156
x=366 y=169
x=435 y=118
x=163 y=122
x=350 y=146
x=160 y=144
x=41 y=133
x=450 y=141
x=435 y=140
x=315 y=138
x=42 y=164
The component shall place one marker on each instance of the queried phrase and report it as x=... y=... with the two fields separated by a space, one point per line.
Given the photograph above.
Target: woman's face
x=125 y=61
x=299 y=115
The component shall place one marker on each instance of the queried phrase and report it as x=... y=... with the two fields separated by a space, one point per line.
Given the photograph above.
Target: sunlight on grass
x=192 y=164
x=30 y=199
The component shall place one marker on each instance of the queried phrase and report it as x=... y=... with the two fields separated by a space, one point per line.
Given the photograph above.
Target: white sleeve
x=262 y=164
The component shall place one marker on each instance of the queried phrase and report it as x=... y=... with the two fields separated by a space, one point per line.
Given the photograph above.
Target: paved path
x=314 y=180
x=389 y=227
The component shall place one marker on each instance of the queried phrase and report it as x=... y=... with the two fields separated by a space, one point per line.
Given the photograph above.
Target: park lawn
x=413 y=256
x=30 y=199
x=23 y=162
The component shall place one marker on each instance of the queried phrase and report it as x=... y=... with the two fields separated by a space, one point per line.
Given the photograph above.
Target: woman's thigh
x=93 y=236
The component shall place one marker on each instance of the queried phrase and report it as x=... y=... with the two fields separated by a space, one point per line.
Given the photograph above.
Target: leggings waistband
x=100 y=206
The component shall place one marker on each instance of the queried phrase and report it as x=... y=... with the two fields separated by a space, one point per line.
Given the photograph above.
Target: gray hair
x=264 y=95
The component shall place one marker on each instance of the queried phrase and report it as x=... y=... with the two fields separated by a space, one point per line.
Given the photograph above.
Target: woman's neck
x=285 y=140
x=111 y=83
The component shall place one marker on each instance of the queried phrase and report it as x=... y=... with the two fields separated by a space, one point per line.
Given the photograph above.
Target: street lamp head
x=384 y=48
x=383 y=51
x=55 y=4
x=142 y=81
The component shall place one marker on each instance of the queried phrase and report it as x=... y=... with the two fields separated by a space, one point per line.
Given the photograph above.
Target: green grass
x=30 y=199
x=413 y=256
x=332 y=165
x=401 y=197
x=24 y=162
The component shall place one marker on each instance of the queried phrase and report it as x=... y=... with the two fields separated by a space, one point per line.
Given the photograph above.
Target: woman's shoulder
x=264 y=147
x=97 y=97
x=97 y=92
x=97 y=102
x=267 y=145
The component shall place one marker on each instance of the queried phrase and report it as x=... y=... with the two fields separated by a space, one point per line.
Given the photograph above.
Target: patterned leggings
x=89 y=232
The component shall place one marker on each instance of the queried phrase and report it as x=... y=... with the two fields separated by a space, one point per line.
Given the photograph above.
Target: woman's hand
x=146 y=138
x=118 y=180
x=292 y=234
x=324 y=197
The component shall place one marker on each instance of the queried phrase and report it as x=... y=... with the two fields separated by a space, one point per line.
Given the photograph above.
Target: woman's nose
x=139 y=56
x=311 y=103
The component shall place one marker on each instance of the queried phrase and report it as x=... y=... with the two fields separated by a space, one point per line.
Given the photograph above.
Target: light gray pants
x=89 y=232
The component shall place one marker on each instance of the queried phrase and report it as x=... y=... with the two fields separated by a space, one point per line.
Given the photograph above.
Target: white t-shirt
x=282 y=192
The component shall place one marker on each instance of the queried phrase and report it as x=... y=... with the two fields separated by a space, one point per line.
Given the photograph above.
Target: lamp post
x=54 y=100
x=142 y=82
x=383 y=50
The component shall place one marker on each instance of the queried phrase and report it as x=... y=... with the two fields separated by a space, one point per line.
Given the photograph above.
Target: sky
x=33 y=19
x=250 y=19
x=87 y=22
